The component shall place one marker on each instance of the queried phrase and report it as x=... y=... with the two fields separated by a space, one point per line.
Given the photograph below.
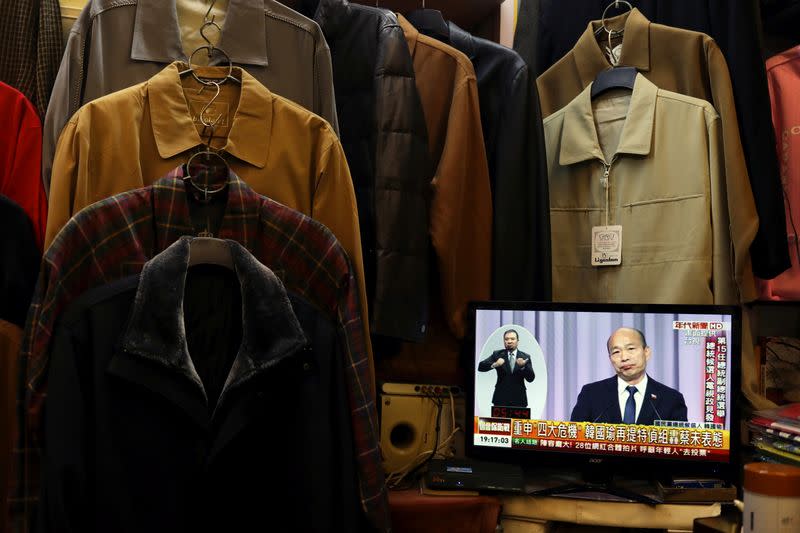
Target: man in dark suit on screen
x=513 y=368
x=630 y=397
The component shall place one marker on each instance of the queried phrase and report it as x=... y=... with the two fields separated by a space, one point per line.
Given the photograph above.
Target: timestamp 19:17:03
x=493 y=440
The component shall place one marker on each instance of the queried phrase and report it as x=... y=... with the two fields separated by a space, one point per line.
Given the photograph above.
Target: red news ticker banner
x=715 y=364
x=716 y=373
x=603 y=439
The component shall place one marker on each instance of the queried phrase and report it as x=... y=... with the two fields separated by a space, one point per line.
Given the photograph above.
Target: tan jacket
x=667 y=188
x=673 y=59
x=461 y=207
x=116 y=44
x=133 y=137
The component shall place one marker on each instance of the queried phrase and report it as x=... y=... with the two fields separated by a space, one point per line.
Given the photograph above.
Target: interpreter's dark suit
x=509 y=390
x=599 y=402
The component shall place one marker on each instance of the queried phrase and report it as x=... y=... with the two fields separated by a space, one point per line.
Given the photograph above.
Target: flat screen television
x=563 y=396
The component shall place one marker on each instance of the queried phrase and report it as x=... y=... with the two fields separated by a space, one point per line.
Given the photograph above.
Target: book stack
x=775 y=434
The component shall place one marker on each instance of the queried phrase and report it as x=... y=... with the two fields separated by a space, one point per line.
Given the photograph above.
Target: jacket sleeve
x=364 y=414
x=325 y=104
x=26 y=187
x=528 y=372
x=521 y=199
x=736 y=30
x=486 y=364
x=734 y=193
x=580 y=413
x=678 y=412
x=402 y=184
x=67 y=173
x=461 y=209
x=334 y=205
x=65 y=97
x=64 y=504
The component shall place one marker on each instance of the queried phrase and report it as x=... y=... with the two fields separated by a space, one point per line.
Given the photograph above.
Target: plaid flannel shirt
x=31 y=46
x=113 y=238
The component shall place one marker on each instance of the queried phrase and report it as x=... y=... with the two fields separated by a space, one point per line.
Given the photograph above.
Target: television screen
x=631 y=381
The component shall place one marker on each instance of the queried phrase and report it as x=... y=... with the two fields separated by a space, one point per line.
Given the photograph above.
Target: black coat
x=252 y=428
x=509 y=391
x=19 y=266
x=514 y=139
x=599 y=402
x=734 y=25
x=385 y=139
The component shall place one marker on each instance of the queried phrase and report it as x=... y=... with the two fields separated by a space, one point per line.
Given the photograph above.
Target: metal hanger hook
x=208 y=104
x=203 y=29
x=615 y=4
x=210 y=7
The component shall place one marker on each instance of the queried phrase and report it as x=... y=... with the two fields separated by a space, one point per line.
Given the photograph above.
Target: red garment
x=21 y=157
x=783 y=75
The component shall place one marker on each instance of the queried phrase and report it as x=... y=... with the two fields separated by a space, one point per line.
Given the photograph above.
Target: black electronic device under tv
x=577 y=409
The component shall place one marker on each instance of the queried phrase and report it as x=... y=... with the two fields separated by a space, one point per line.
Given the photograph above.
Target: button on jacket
x=688 y=63
x=686 y=225
x=128 y=139
x=115 y=44
x=386 y=142
x=197 y=398
x=461 y=207
x=119 y=234
x=20 y=157
x=514 y=143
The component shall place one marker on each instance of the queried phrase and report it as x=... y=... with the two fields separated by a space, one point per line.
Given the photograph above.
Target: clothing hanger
x=616 y=33
x=430 y=22
x=212 y=165
x=614 y=77
x=210 y=48
x=210 y=251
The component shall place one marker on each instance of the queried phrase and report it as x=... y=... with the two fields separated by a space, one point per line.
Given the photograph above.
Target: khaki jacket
x=650 y=161
x=687 y=225
x=131 y=138
x=682 y=61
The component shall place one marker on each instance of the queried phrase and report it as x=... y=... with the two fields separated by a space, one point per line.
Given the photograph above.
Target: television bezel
x=660 y=467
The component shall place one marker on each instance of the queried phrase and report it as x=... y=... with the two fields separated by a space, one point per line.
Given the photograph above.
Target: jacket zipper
x=605 y=181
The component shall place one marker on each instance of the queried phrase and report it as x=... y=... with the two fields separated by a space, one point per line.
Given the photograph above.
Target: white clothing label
x=606 y=245
x=614 y=54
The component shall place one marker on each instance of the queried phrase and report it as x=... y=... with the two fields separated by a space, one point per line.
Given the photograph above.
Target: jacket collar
x=332 y=17
x=410 y=32
x=157 y=37
x=589 y=56
x=172 y=218
x=462 y=41
x=156 y=332
x=175 y=133
x=579 y=140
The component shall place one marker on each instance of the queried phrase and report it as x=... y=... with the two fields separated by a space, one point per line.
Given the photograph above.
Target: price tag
x=606 y=245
